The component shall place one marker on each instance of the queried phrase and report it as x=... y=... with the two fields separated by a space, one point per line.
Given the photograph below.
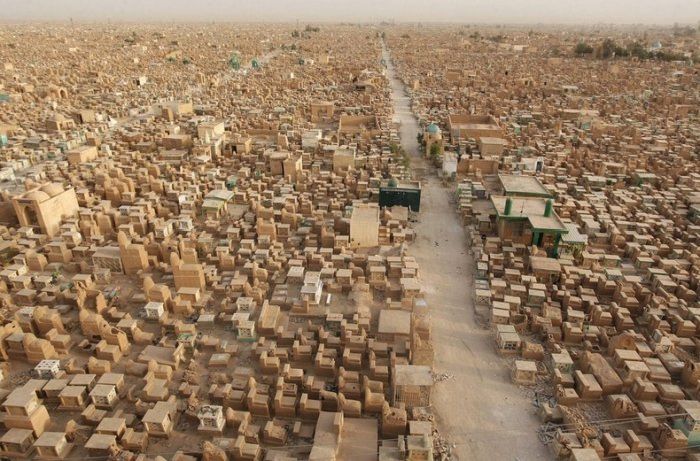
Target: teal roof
x=433 y=129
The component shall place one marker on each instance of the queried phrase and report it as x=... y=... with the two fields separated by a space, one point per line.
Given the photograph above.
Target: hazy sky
x=491 y=11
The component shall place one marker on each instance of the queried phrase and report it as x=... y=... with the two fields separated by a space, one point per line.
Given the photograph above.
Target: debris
x=440 y=377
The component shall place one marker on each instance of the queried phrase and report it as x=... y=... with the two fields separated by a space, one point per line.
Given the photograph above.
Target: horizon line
x=381 y=22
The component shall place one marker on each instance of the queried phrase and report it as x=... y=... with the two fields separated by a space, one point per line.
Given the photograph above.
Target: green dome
x=433 y=129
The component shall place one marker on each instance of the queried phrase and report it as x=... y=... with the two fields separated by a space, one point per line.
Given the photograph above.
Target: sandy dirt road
x=479 y=410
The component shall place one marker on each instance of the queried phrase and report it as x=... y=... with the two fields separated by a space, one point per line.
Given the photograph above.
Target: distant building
x=465 y=126
x=433 y=135
x=321 y=111
x=529 y=220
x=45 y=207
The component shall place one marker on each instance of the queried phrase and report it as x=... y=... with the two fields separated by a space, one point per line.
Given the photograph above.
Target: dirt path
x=479 y=410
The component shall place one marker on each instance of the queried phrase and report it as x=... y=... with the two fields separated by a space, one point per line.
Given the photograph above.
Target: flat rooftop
x=394 y=322
x=359 y=440
x=528 y=186
x=413 y=375
x=532 y=209
x=472 y=121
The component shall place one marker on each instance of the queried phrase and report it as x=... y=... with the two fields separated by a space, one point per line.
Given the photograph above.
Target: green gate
x=392 y=196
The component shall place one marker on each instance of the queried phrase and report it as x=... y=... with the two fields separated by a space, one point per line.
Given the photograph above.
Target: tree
x=434 y=151
x=638 y=50
x=669 y=56
x=607 y=49
x=583 y=48
x=621 y=52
